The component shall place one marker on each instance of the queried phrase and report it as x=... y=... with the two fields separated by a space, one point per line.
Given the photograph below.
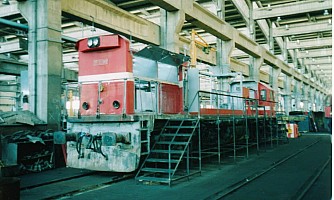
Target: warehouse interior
x=286 y=45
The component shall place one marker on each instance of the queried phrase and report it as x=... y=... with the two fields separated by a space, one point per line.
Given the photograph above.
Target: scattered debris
x=19 y=117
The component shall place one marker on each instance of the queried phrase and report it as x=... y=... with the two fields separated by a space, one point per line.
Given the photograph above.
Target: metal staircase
x=169 y=158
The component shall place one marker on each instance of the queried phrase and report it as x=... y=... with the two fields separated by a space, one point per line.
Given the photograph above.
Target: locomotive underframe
x=218 y=136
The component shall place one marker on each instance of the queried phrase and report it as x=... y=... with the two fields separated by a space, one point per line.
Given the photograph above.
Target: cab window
x=263 y=95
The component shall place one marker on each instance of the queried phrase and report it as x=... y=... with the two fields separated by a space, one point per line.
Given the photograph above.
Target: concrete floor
x=213 y=179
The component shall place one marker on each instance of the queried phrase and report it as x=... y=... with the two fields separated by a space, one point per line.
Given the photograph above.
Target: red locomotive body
x=124 y=94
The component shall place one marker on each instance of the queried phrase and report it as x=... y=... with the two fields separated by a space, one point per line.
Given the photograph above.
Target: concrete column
x=287 y=94
x=311 y=94
x=305 y=97
x=297 y=94
x=171 y=26
x=224 y=50
x=254 y=69
x=321 y=106
x=274 y=73
x=45 y=58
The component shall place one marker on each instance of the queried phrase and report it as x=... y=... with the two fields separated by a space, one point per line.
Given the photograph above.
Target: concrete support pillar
x=45 y=58
x=321 y=106
x=171 y=26
x=297 y=95
x=254 y=69
x=305 y=97
x=287 y=94
x=311 y=93
x=274 y=73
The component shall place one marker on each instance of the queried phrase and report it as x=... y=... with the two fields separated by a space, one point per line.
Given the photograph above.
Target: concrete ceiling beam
x=14 y=46
x=314 y=53
x=9 y=10
x=291 y=9
x=306 y=28
x=111 y=18
x=10 y=67
x=318 y=61
x=311 y=43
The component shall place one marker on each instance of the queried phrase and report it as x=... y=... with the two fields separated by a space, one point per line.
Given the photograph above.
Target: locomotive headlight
x=116 y=104
x=90 y=42
x=96 y=42
x=85 y=106
x=93 y=42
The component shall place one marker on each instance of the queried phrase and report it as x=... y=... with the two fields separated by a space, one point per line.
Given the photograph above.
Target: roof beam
x=9 y=10
x=314 y=53
x=113 y=19
x=291 y=9
x=323 y=66
x=14 y=46
x=318 y=61
x=301 y=29
x=312 y=43
x=10 y=67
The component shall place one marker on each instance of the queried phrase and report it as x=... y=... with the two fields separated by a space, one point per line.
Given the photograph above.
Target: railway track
x=64 y=188
x=251 y=185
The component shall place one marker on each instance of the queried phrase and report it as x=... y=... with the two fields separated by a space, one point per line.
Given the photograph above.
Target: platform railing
x=233 y=112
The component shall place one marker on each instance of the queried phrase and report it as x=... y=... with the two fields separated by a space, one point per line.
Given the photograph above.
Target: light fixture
x=329 y=21
x=286 y=27
x=278 y=19
x=298 y=41
x=269 y=7
x=326 y=13
x=5 y=2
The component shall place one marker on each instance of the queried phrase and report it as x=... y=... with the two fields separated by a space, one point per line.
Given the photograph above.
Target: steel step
x=181 y=127
x=157 y=170
x=166 y=151
x=161 y=160
x=178 y=134
x=176 y=143
x=153 y=179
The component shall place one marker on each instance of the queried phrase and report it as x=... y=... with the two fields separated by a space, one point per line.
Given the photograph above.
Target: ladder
x=171 y=153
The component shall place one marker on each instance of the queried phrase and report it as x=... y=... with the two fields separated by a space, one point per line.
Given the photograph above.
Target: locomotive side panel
x=171 y=101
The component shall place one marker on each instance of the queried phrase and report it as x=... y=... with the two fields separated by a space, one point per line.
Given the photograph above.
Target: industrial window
x=263 y=95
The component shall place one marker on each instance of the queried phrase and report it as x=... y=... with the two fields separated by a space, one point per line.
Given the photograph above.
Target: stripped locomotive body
x=126 y=97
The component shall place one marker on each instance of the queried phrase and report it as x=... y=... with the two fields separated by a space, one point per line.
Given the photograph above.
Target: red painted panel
x=171 y=100
x=328 y=111
x=89 y=95
x=113 y=58
x=213 y=111
x=115 y=91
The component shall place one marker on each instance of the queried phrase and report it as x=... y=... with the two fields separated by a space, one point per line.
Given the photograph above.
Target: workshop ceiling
x=306 y=30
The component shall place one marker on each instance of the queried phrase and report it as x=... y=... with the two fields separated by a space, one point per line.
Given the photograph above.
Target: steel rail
x=310 y=182
x=234 y=187
x=92 y=187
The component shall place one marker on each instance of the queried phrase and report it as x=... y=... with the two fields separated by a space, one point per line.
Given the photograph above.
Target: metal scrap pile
x=29 y=136
x=19 y=117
